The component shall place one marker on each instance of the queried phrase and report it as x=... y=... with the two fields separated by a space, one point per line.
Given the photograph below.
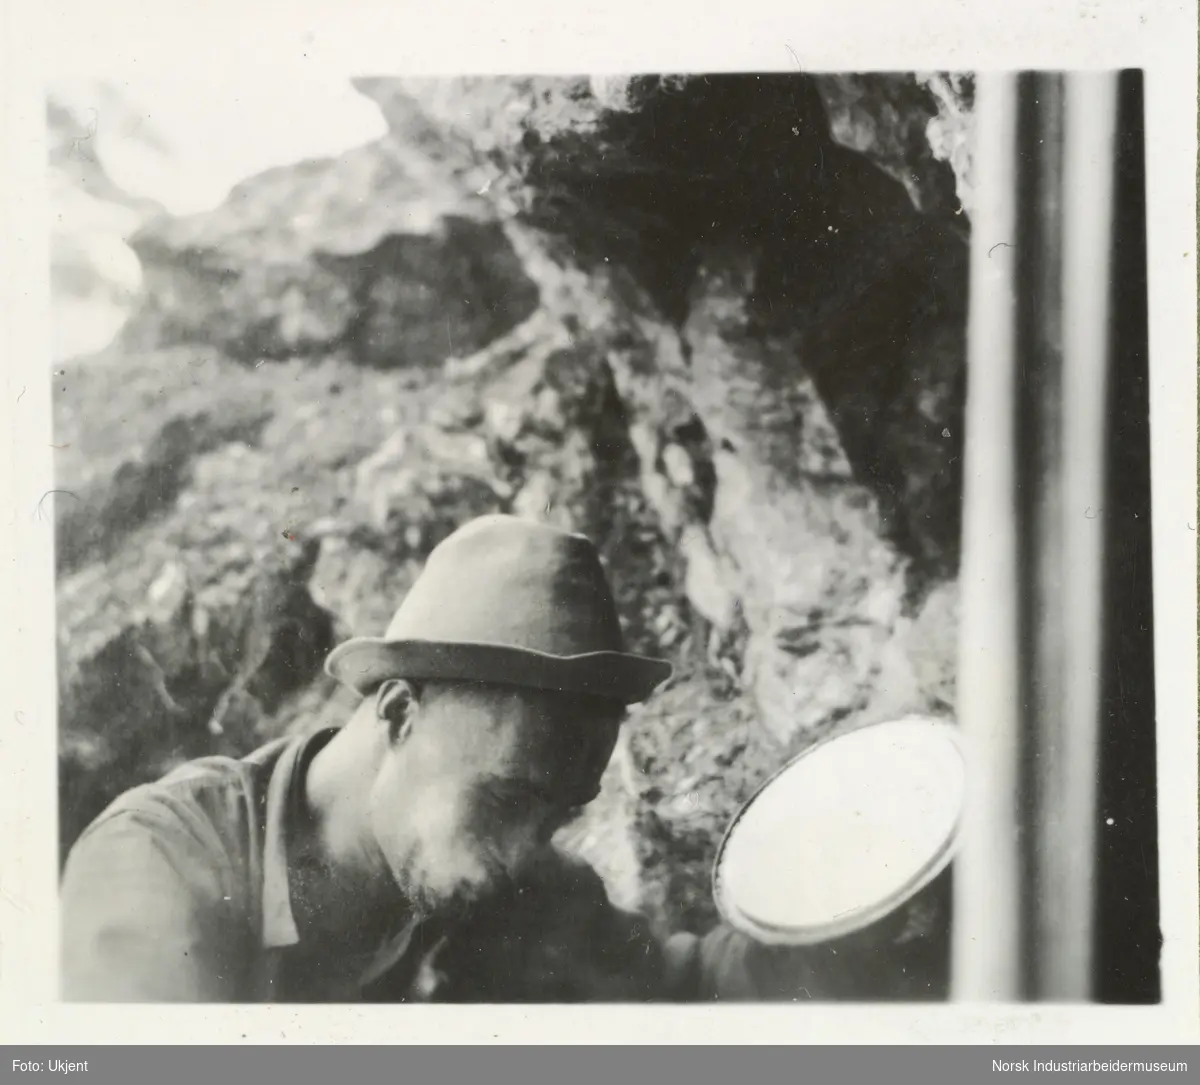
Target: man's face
x=478 y=780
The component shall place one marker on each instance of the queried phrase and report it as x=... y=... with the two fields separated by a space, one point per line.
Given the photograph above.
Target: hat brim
x=364 y=662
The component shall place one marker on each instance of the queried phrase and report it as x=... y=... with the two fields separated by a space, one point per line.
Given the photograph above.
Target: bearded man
x=406 y=855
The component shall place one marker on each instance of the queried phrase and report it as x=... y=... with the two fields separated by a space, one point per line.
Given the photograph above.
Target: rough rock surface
x=290 y=265
x=93 y=524
x=179 y=679
x=724 y=336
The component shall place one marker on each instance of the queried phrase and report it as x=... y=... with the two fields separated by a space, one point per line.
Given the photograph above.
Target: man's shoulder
x=211 y=802
x=161 y=895
x=218 y=774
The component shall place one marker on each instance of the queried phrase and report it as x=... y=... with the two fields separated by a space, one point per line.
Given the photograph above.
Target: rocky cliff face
x=715 y=322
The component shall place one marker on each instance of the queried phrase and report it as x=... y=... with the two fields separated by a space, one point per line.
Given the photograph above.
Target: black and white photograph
x=518 y=556
x=529 y=538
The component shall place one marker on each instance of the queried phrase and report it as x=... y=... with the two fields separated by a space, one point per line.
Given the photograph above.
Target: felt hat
x=510 y=601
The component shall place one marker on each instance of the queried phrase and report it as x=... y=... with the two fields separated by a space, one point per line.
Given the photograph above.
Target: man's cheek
x=425 y=824
x=450 y=851
x=434 y=810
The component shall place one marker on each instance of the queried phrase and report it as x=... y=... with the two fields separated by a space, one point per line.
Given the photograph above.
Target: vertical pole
x=1071 y=766
x=1127 y=924
x=986 y=935
x=1032 y=586
x=1042 y=648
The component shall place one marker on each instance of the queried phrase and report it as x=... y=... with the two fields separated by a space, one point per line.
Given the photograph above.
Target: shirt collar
x=285 y=792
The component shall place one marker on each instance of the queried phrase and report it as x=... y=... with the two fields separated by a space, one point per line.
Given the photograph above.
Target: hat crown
x=502 y=580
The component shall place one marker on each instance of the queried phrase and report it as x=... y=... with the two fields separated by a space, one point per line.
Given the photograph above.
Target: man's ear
x=395 y=706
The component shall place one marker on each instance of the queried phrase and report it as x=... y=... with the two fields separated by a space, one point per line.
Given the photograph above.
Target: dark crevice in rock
x=893 y=378
x=723 y=159
x=686 y=459
x=468 y=273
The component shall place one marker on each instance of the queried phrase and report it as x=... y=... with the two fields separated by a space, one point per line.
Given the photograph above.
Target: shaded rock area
x=914 y=127
x=94 y=523
x=183 y=679
x=198 y=629
x=717 y=323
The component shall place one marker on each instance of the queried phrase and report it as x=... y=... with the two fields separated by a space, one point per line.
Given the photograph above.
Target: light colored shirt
x=179 y=892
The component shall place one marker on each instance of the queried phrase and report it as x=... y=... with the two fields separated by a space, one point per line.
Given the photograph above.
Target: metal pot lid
x=845 y=834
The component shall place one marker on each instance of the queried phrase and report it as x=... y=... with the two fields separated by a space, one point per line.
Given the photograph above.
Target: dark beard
x=459 y=907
